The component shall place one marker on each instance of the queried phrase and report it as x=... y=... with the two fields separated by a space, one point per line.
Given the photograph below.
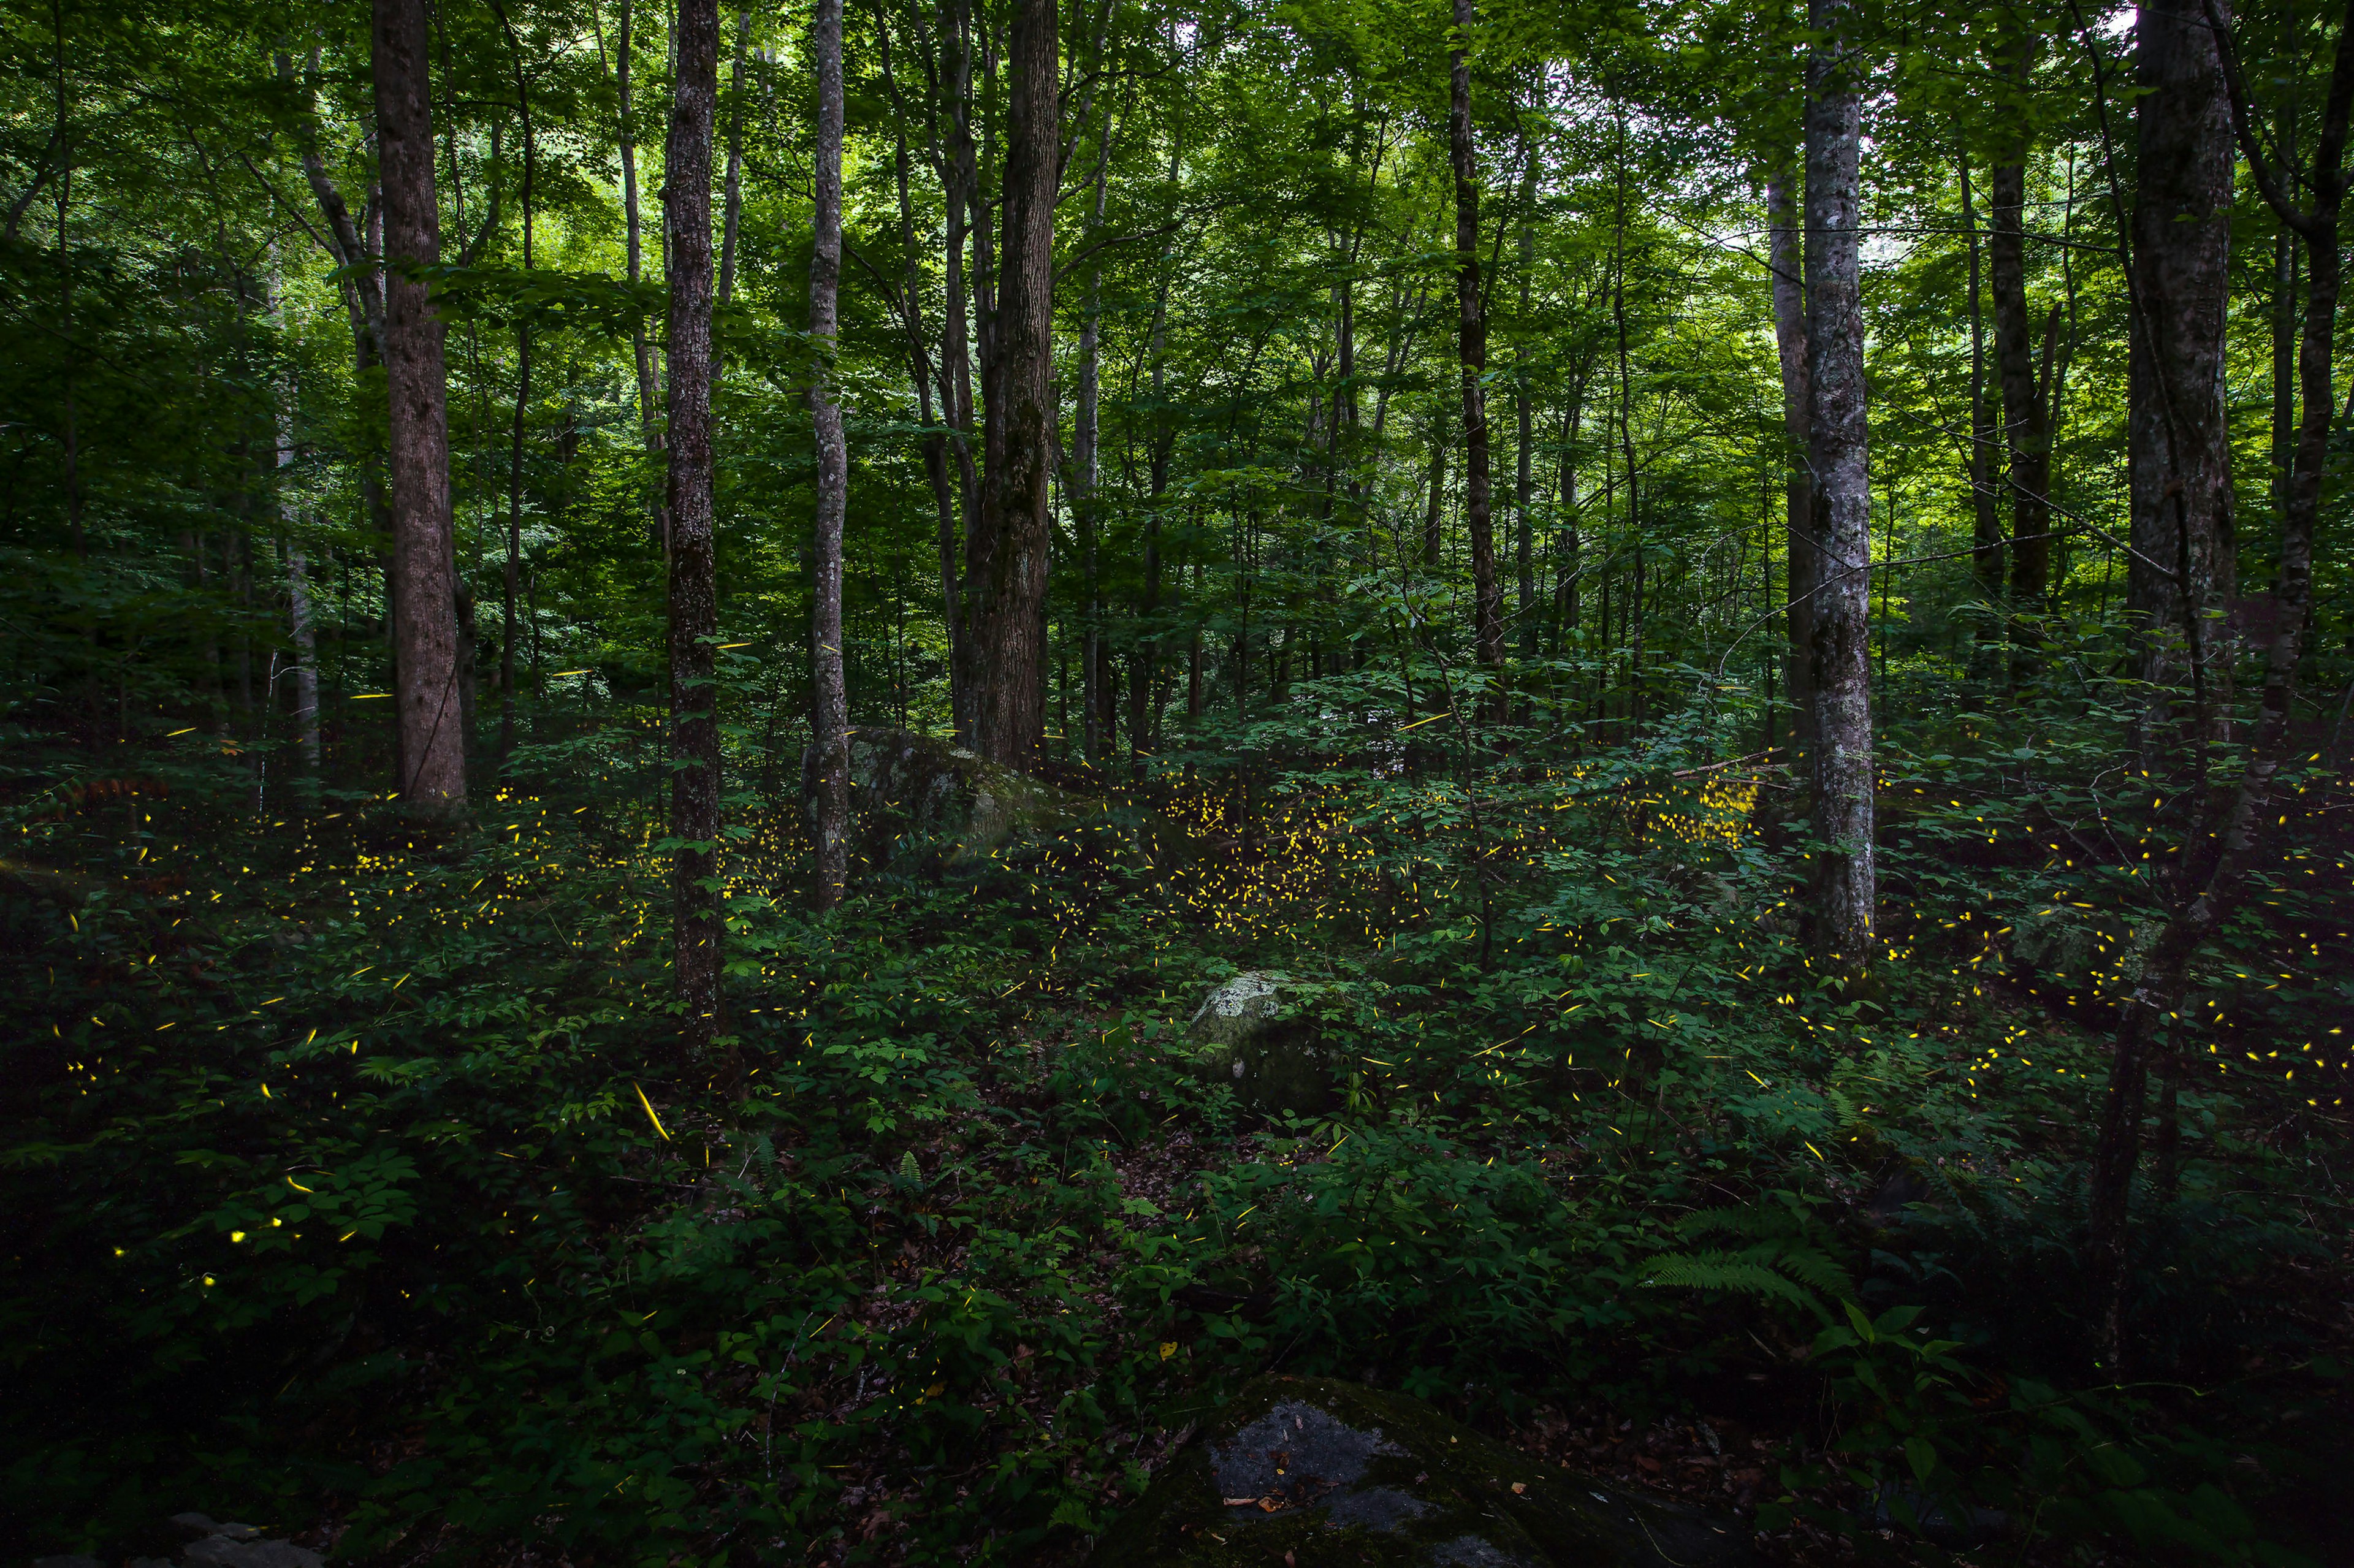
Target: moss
x=1253 y=1030
x=1336 y=1475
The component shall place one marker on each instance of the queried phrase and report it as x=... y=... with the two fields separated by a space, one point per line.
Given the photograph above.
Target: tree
x=2182 y=568
x=1845 y=889
x=1471 y=348
x=830 y=714
x=2239 y=827
x=693 y=567
x=424 y=615
x=1003 y=649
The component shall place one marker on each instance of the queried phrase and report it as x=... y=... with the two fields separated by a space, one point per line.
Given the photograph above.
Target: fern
x=1723 y=1271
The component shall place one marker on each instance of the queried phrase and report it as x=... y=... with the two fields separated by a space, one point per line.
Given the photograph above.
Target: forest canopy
x=774 y=775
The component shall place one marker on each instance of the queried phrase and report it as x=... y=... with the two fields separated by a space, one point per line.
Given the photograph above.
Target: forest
x=1600 y=749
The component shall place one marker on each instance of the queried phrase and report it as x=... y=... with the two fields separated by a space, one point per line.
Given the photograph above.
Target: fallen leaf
x=1520 y=1487
x=1238 y=1503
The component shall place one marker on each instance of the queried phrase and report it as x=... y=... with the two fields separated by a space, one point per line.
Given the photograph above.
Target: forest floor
x=359 y=1187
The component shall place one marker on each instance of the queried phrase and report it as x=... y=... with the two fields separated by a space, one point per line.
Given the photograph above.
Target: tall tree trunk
x=2026 y=427
x=424 y=623
x=919 y=362
x=830 y=714
x=2178 y=453
x=1803 y=545
x=961 y=196
x=1985 y=518
x=1097 y=676
x=1006 y=555
x=1523 y=418
x=300 y=628
x=1845 y=882
x=2241 y=825
x=2284 y=431
x=511 y=577
x=649 y=382
x=694 y=575
x=731 y=190
x=1471 y=341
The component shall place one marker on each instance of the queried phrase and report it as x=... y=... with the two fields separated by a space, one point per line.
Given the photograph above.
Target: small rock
x=196 y=1526
x=1322 y=1474
x=221 y=1551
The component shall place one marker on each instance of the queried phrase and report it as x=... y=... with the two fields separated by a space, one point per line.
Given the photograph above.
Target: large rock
x=1316 y=1473
x=1255 y=1031
x=920 y=796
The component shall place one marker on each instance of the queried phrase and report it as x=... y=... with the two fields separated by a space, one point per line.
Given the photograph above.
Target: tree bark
x=1845 y=881
x=694 y=576
x=830 y=711
x=2026 y=427
x=2178 y=453
x=1804 y=548
x=1986 y=443
x=1471 y=344
x=1005 y=554
x=649 y=380
x=2242 y=826
x=424 y=623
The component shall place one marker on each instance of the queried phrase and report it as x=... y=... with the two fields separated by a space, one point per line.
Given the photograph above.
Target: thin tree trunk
x=649 y=382
x=1803 y=546
x=1985 y=518
x=2242 y=825
x=1845 y=882
x=1471 y=341
x=732 y=210
x=693 y=581
x=2026 y=424
x=300 y=626
x=425 y=624
x=1522 y=415
x=1006 y=555
x=511 y=578
x=830 y=714
x=1085 y=429
x=1436 y=513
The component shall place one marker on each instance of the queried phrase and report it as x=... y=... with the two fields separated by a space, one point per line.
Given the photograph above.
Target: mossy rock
x=1255 y=1031
x=1319 y=1473
x=923 y=800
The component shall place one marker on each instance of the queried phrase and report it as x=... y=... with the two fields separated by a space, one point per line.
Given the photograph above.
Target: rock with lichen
x=1318 y=1473
x=923 y=801
x=1259 y=1031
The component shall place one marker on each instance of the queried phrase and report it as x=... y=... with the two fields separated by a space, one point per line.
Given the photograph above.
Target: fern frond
x=1718 y=1271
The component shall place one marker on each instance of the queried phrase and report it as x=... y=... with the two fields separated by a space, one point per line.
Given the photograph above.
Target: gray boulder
x=227 y=1551
x=1318 y=1473
x=1255 y=1033
x=925 y=796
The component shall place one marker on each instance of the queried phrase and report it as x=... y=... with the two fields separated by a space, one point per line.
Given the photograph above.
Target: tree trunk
x=1845 y=882
x=649 y=382
x=830 y=710
x=1471 y=341
x=1006 y=555
x=2241 y=825
x=694 y=579
x=1985 y=518
x=1436 y=514
x=1096 y=672
x=425 y=625
x=1804 y=546
x=732 y=188
x=2178 y=450
x=2025 y=427
x=1523 y=418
